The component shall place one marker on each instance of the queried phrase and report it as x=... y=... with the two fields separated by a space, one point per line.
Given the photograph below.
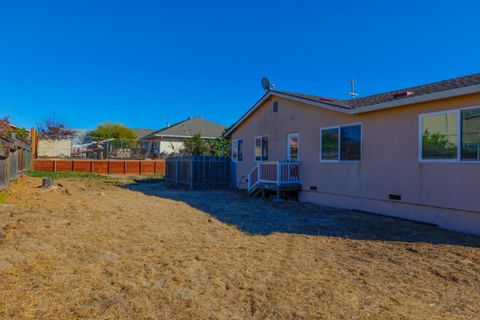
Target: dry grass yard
x=96 y=250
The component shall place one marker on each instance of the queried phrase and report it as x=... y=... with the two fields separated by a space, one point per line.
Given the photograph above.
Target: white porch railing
x=277 y=172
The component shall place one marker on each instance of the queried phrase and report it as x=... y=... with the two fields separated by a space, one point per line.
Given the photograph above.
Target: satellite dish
x=266 y=84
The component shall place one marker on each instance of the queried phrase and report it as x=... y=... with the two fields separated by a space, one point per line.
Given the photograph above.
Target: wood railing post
x=259 y=166
x=278 y=172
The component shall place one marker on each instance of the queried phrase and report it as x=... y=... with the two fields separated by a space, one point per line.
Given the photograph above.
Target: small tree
x=20 y=133
x=124 y=136
x=195 y=146
x=220 y=146
x=4 y=126
x=52 y=128
x=6 y=129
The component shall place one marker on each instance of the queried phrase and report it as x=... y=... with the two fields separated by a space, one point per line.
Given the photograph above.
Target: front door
x=293 y=147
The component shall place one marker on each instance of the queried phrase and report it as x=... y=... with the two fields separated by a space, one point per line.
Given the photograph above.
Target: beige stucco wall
x=447 y=194
x=54 y=148
x=171 y=145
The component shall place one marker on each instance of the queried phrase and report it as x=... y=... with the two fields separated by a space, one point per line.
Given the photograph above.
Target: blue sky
x=145 y=63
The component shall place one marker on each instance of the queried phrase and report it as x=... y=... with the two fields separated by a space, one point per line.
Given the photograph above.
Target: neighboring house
x=411 y=153
x=170 y=139
x=80 y=144
x=54 y=148
x=65 y=147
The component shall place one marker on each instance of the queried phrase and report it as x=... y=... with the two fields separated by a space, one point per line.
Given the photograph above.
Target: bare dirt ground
x=100 y=251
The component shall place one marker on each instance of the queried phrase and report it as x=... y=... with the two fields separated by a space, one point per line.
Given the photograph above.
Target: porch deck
x=278 y=176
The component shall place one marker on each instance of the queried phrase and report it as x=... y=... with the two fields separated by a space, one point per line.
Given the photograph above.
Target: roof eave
x=419 y=99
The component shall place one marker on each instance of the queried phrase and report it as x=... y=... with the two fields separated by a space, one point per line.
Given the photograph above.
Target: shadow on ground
x=258 y=216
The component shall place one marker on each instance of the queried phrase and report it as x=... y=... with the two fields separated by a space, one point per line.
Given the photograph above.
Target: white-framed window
x=293 y=147
x=449 y=136
x=237 y=150
x=261 y=148
x=341 y=143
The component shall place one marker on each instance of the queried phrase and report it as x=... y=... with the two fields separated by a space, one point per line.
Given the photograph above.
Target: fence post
x=204 y=170
x=191 y=173
x=176 y=172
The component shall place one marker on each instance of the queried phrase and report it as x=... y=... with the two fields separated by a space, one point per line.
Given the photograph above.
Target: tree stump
x=48 y=182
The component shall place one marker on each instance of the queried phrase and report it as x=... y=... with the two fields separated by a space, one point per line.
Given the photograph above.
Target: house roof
x=190 y=127
x=422 y=93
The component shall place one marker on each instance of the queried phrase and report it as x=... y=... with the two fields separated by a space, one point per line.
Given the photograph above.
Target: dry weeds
x=98 y=251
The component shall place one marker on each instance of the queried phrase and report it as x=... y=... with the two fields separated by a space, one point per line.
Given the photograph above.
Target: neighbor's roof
x=142 y=132
x=427 y=92
x=190 y=127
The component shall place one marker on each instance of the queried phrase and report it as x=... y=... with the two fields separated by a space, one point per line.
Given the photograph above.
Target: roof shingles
x=190 y=127
x=434 y=87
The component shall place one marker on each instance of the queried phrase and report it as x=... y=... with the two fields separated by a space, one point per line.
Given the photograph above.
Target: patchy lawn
x=91 y=249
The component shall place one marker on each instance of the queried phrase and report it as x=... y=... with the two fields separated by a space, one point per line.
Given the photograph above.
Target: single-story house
x=412 y=153
x=170 y=139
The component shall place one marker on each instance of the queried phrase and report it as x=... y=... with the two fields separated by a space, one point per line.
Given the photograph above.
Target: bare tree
x=52 y=128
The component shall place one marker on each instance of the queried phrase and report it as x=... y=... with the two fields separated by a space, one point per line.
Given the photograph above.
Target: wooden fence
x=15 y=158
x=101 y=166
x=199 y=171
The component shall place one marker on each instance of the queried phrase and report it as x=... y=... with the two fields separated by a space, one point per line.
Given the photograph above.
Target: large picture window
x=450 y=136
x=350 y=144
x=341 y=143
x=330 y=144
x=471 y=134
x=261 y=148
x=439 y=136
